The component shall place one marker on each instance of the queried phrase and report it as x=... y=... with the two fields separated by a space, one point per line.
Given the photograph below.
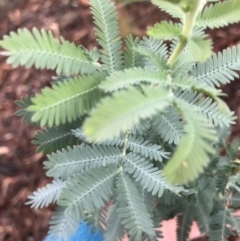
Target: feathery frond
x=192 y=153
x=62 y=225
x=88 y=191
x=133 y=76
x=184 y=223
x=172 y=9
x=131 y=57
x=67 y=100
x=220 y=14
x=115 y=115
x=55 y=138
x=169 y=125
x=165 y=30
x=24 y=103
x=221 y=68
x=134 y=214
x=149 y=176
x=97 y=221
x=46 y=195
x=115 y=231
x=201 y=48
x=154 y=45
x=154 y=53
x=221 y=223
x=80 y=158
x=40 y=49
x=207 y=107
x=138 y=145
x=107 y=32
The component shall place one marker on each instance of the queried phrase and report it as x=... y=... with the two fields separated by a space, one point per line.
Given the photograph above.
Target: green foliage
x=220 y=14
x=221 y=68
x=24 y=103
x=135 y=133
x=67 y=100
x=193 y=150
x=56 y=138
x=201 y=48
x=134 y=214
x=107 y=32
x=43 y=51
x=165 y=30
x=145 y=102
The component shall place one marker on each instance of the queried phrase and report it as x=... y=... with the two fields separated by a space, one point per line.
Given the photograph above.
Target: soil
x=21 y=170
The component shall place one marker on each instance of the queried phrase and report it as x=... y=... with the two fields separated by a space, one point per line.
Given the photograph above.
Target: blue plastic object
x=82 y=234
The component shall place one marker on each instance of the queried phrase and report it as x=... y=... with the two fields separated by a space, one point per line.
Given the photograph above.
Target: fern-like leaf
x=134 y=214
x=192 y=153
x=88 y=191
x=131 y=57
x=133 y=76
x=154 y=52
x=220 y=14
x=138 y=145
x=169 y=125
x=221 y=223
x=56 y=138
x=97 y=221
x=24 y=103
x=165 y=30
x=204 y=206
x=46 y=195
x=208 y=108
x=62 y=225
x=149 y=176
x=201 y=48
x=107 y=31
x=221 y=68
x=80 y=158
x=116 y=115
x=172 y=9
x=115 y=230
x=184 y=223
x=66 y=101
x=40 y=49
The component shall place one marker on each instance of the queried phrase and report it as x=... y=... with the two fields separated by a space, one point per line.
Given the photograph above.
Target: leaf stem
x=124 y=150
x=189 y=21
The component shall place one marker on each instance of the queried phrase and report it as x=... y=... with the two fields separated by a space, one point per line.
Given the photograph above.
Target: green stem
x=188 y=24
x=124 y=150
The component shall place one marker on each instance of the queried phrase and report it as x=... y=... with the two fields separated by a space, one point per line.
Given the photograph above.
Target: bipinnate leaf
x=46 y=195
x=135 y=216
x=201 y=48
x=67 y=100
x=131 y=57
x=24 y=103
x=116 y=231
x=133 y=76
x=107 y=33
x=165 y=30
x=220 y=14
x=126 y=108
x=52 y=139
x=168 y=6
x=62 y=225
x=40 y=48
x=88 y=192
x=192 y=153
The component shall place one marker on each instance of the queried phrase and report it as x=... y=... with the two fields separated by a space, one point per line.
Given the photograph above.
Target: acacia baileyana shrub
x=133 y=128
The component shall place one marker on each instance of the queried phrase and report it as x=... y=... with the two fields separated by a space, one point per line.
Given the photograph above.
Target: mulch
x=21 y=169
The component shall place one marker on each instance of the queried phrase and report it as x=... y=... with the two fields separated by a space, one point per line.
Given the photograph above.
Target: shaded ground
x=21 y=169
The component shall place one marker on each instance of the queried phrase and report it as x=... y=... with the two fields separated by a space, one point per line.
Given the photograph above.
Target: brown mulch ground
x=21 y=169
